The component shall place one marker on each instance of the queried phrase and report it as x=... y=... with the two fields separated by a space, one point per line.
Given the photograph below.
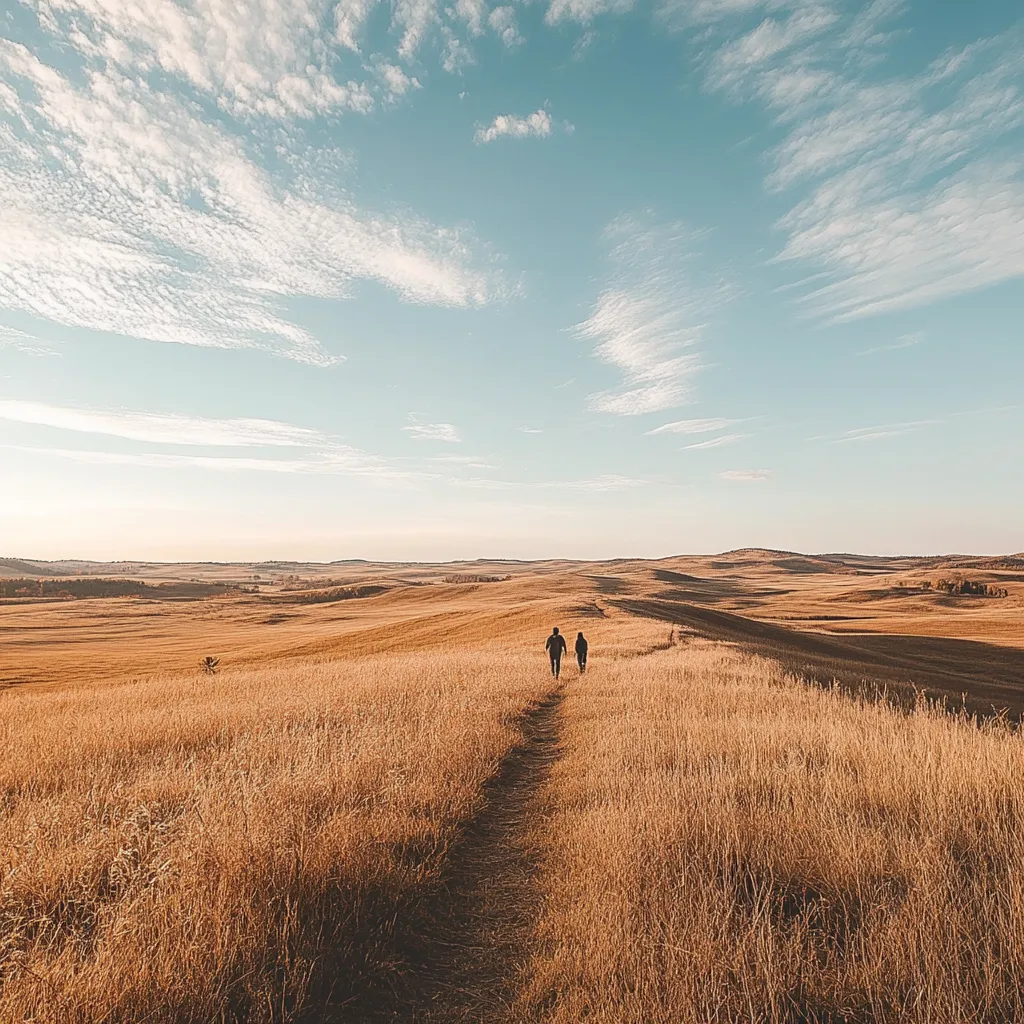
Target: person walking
x=555 y=648
x=581 y=652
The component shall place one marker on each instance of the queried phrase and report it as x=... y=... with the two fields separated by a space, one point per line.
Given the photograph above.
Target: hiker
x=555 y=648
x=581 y=652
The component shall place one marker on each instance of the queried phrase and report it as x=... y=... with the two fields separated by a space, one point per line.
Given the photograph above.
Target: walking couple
x=556 y=648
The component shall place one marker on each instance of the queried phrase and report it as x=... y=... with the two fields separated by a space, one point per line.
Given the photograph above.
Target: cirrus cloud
x=433 y=432
x=745 y=475
x=651 y=312
x=126 y=211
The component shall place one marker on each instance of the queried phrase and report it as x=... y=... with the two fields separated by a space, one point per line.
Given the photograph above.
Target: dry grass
x=725 y=844
x=104 y=640
x=232 y=848
x=716 y=842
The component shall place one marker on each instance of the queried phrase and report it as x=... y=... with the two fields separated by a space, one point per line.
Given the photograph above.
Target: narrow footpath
x=463 y=962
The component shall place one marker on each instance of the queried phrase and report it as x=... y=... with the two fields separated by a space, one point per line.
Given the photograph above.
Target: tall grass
x=234 y=847
x=717 y=843
x=727 y=844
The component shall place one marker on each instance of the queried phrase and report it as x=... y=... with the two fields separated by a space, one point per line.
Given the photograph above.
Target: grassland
x=384 y=808
x=235 y=847
x=728 y=844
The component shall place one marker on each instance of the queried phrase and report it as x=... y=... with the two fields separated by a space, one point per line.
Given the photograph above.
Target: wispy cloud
x=916 y=188
x=737 y=61
x=322 y=453
x=530 y=430
x=605 y=482
x=340 y=461
x=164 y=429
x=881 y=432
x=128 y=210
x=469 y=461
x=19 y=341
x=695 y=426
x=264 y=57
x=585 y=11
x=535 y=125
x=651 y=312
x=746 y=475
x=433 y=432
x=715 y=442
x=904 y=341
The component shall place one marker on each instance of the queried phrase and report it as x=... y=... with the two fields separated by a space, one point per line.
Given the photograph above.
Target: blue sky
x=583 y=278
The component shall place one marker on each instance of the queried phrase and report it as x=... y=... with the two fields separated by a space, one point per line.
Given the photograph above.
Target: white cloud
x=473 y=13
x=433 y=432
x=537 y=124
x=126 y=212
x=503 y=21
x=163 y=428
x=866 y=30
x=916 y=189
x=349 y=18
x=456 y=54
x=695 y=426
x=652 y=311
x=414 y=18
x=895 y=252
x=469 y=461
x=260 y=57
x=322 y=453
x=530 y=430
x=904 y=341
x=736 y=61
x=342 y=461
x=716 y=442
x=585 y=11
x=19 y=341
x=746 y=475
x=605 y=482
x=397 y=82
x=879 y=433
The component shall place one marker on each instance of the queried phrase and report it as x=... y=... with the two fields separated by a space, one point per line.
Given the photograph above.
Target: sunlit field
x=728 y=844
x=382 y=807
x=234 y=847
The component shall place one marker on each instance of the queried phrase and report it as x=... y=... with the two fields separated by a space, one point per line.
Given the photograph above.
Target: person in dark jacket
x=581 y=652
x=555 y=648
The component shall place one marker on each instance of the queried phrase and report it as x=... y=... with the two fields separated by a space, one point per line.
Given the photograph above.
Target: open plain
x=788 y=788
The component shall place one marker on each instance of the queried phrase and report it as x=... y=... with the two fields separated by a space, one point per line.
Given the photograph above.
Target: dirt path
x=463 y=961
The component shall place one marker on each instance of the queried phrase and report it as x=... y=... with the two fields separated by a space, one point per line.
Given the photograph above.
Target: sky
x=309 y=279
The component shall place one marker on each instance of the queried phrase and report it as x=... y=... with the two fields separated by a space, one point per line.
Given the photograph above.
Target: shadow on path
x=461 y=959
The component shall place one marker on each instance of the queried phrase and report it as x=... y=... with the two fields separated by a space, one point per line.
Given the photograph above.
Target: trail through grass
x=727 y=844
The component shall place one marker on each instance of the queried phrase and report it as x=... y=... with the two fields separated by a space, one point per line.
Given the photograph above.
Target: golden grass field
x=383 y=808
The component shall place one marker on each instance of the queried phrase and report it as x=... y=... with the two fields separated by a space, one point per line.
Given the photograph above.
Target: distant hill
x=23 y=568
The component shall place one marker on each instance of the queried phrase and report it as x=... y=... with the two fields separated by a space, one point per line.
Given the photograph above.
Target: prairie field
x=382 y=807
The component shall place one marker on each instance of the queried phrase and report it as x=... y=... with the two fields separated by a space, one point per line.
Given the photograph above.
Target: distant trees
x=467 y=578
x=955 y=588
x=970 y=588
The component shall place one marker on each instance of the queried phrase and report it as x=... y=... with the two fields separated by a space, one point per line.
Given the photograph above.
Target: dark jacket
x=555 y=645
x=581 y=645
